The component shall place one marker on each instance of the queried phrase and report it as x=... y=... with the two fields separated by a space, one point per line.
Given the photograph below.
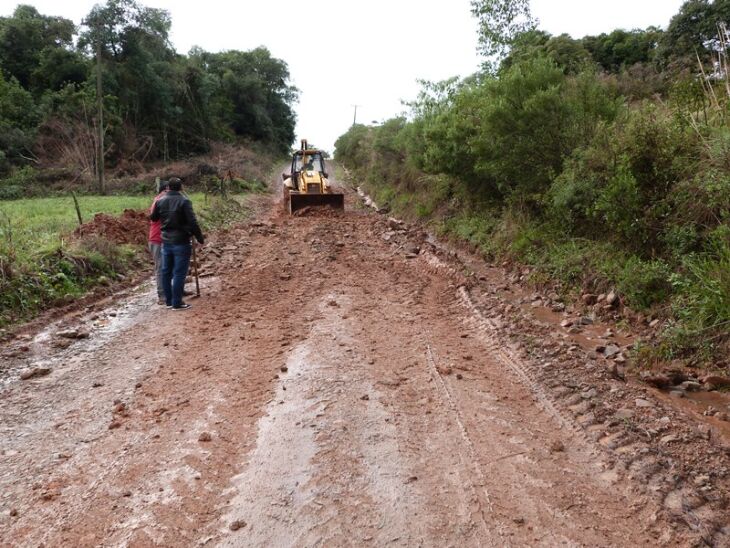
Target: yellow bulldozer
x=307 y=183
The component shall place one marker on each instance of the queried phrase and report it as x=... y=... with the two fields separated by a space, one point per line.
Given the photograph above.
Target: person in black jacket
x=179 y=224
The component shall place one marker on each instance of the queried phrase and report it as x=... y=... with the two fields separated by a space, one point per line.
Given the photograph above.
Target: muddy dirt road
x=336 y=385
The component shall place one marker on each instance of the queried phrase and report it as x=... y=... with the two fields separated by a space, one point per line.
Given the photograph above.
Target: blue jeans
x=175 y=263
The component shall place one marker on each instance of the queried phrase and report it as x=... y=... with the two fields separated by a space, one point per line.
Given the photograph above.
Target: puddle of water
x=588 y=338
x=718 y=400
x=695 y=403
x=117 y=318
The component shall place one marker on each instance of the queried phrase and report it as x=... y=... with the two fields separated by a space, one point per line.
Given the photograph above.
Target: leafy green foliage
x=694 y=29
x=15 y=186
x=621 y=48
x=158 y=104
x=37 y=50
x=701 y=301
x=18 y=118
x=564 y=159
x=500 y=23
x=568 y=54
x=254 y=94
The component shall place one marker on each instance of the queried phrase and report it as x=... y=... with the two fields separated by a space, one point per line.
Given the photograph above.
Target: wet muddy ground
x=342 y=382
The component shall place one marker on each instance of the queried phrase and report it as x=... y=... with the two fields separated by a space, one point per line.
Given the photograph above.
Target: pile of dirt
x=131 y=227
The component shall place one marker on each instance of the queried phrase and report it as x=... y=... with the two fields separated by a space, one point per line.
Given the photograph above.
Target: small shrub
x=570 y=262
x=19 y=184
x=644 y=283
x=702 y=300
x=477 y=228
x=681 y=240
x=619 y=205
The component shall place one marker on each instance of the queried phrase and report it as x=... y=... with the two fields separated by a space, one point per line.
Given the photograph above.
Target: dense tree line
x=603 y=161
x=157 y=103
x=507 y=30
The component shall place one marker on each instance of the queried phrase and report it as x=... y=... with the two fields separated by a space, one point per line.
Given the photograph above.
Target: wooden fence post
x=78 y=209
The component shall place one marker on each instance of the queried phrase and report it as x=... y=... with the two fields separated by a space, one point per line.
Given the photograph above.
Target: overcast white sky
x=370 y=53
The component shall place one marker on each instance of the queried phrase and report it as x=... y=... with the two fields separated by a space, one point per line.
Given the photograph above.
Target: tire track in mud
x=395 y=283
x=470 y=461
x=698 y=516
x=648 y=469
x=486 y=329
x=624 y=457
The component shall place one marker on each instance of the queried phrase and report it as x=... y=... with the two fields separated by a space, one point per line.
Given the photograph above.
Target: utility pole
x=100 y=117
x=354 y=118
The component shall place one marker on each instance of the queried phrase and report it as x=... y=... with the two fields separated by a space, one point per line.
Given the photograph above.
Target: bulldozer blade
x=300 y=201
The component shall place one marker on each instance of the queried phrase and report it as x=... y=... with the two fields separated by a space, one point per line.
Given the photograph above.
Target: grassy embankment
x=42 y=265
x=690 y=294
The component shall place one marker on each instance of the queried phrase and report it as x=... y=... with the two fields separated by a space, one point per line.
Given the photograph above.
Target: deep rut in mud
x=330 y=388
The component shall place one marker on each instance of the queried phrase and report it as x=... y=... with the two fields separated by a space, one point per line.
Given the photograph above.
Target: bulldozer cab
x=308 y=161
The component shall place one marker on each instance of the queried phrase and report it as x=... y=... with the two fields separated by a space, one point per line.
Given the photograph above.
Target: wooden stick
x=78 y=209
x=195 y=270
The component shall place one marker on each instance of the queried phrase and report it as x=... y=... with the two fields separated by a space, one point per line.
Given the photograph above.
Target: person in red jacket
x=154 y=243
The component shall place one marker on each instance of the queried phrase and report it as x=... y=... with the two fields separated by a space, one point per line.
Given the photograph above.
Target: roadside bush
x=619 y=205
x=475 y=228
x=624 y=179
x=702 y=300
x=51 y=276
x=702 y=201
x=19 y=117
x=570 y=263
x=533 y=118
x=570 y=201
x=353 y=148
x=520 y=142
x=681 y=240
x=644 y=284
x=19 y=184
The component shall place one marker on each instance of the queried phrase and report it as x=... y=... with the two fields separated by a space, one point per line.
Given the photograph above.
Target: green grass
x=40 y=266
x=40 y=223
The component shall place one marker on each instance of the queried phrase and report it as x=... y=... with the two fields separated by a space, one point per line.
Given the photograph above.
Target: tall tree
x=501 y=22
x=255 y=97
x=695 y=28
x=156 y=102
x=37 y=50
x=569 y=54
x=138 y=67
x=621 y=48
x=19 y=117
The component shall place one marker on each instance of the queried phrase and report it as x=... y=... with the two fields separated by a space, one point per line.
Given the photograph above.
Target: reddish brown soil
x=130 y=227
x=343 y=383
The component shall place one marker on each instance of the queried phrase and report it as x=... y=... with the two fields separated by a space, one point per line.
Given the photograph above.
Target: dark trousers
x=175 y=264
